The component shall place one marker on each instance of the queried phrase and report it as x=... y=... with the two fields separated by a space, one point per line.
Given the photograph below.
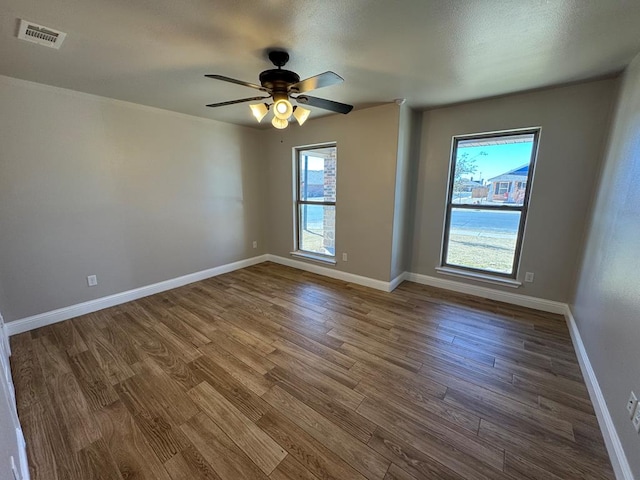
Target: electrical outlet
x=636 y=420
x=92 y=280
x=631 y=404
x=344 y=257
x=255 y=244
x=528 y=277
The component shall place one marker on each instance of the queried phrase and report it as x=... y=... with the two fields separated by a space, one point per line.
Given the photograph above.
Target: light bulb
x=282 y=109
x=279 y=123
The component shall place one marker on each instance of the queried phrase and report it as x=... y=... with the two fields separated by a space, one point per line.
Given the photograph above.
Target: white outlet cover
x=631 y=404
x=636 y=420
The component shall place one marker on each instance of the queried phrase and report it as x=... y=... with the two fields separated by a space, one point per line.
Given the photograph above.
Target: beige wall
x=407 y=158
x=575 y=122
x=367 y=148
x=132 y=194
x=606 y=304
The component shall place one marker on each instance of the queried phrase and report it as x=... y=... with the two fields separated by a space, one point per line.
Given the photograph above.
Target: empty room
x=314 y=240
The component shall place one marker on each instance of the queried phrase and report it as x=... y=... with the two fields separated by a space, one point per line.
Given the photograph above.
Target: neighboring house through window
x=489 y=188
x=315 y=225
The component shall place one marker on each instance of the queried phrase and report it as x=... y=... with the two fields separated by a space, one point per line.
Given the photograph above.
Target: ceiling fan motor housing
x=278 y=80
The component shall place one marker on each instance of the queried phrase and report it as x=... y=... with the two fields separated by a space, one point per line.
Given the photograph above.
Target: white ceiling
x=432 y=52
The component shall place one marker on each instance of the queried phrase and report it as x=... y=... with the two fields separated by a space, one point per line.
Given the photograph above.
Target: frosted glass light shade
x=301 y=114
x=259 y=110
x=279 y=123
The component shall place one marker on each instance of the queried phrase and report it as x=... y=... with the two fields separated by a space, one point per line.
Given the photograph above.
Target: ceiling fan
x=282 y=85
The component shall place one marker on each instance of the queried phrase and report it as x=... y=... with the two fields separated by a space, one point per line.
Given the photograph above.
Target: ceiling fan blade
x=232 y=102
x=325 y=79
x=325 y=104
x=237 y=82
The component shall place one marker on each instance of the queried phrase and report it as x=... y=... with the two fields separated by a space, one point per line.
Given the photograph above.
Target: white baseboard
x=393 y=284
x=332 y=273
x=617 y=456
x=485 y=292
x=54 y=316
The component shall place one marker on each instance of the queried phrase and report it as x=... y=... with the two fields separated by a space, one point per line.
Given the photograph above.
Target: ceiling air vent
x=32 y=32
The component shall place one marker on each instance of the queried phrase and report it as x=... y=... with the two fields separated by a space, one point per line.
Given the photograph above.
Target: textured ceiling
x=432 y=52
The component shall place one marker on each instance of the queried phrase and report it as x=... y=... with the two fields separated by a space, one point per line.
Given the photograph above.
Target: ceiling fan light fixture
x=259 y=110
x=279 y=123
x=282 y=109
x=301 y=114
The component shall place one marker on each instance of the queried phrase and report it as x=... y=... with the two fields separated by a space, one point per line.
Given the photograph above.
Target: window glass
x=487 y=201
x=316 y=199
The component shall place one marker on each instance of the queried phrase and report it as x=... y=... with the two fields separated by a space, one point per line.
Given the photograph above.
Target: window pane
x=492 y=171
x=483 y=239
x=317 y=172
x=317 y=228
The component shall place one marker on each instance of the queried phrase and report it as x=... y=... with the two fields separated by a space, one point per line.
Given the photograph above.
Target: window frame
x=523 y=209
x=298 y=202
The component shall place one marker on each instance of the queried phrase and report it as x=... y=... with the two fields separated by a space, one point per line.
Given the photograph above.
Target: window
x=503 y=187
x=316 y=200
x=485 y=224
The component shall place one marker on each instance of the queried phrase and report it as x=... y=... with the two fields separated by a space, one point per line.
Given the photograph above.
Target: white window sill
x=314 y=258
x=480 y=277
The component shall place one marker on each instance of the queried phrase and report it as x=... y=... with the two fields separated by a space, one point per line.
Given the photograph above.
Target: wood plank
x=291 y=469
x=219 y=451
x=250 y=404
x=509 y=412
x=427 y=407
x=149 y=414
x=419 y=464
x=354 y=452
x=291 y=350
x=26 y=372
x=97 y=463
x=190 y=465
x=109 y=355
x=316 y=342
x=563 y=460
x=345 y=418
x=153 y=382
x=40 y=452
x=319 y=380
x=392 y=416
x=518 y=467
x=68 y=339
x=93 y=383
x=396 y=473
x=387 y=352
x=127 y=445
x=239 y=370
x=247 y=355
x=66 y=395
x=258 y=446
x=315 y=457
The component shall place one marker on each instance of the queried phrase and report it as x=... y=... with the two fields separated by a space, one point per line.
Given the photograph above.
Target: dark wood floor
x=269 y=372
